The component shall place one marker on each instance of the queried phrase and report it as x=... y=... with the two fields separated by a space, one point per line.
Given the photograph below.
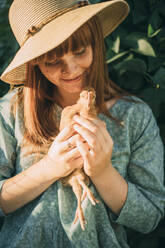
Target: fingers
x=71 y=142
x=72 y=163
x=89 y=136
x=73 y=158
x=65 y=133
x=84 y=151
x=92 y=124
x=72 y=154
x=77 y=163
x=66 y=139
x=64 y=149
x=89 y=124
x=98 y=135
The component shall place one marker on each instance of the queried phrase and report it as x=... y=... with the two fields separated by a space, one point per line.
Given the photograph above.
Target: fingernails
x=76 y=117
x=75 y=126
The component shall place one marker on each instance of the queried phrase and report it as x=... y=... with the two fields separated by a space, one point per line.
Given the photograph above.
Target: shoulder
x=6 y=113
x=131 y=107
x=136 y=116
x=138 y=119
x=6 y=100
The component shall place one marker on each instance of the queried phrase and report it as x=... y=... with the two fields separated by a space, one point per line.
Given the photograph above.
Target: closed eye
x=80 y=52
x=56 y=62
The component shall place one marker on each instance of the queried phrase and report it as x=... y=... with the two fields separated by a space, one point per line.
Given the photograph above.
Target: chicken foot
x=77 y=186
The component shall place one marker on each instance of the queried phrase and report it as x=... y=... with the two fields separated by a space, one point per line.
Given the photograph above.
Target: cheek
x=90 y=58
x=87 y=62
x=49 y=73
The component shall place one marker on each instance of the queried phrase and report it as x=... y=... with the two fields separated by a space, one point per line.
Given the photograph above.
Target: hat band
x=34 y=29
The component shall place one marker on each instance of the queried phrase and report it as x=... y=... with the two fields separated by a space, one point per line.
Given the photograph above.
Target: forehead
x=64 y=54
x=81 y=38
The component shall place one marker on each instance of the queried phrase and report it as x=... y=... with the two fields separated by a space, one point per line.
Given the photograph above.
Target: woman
x=61 y=52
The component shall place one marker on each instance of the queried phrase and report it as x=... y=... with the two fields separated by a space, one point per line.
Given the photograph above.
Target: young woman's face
x=69 y=72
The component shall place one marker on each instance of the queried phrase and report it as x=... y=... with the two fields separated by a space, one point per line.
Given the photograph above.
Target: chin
x=75 y=89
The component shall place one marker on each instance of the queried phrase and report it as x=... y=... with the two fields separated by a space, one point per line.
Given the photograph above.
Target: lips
x=72 y=79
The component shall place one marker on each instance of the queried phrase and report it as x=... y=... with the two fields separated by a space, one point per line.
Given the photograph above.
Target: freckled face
x=69 y=72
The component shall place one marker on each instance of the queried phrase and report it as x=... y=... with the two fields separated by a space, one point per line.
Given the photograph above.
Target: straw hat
x=41 y=25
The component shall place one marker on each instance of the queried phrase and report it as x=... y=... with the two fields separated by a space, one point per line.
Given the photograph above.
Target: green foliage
x=136 y=62
x=136 y=54
x=8 y=44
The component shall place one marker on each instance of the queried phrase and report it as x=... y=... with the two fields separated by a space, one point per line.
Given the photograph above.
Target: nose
x=69 y=66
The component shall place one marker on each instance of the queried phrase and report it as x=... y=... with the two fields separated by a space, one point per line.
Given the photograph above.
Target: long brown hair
x=37 y=94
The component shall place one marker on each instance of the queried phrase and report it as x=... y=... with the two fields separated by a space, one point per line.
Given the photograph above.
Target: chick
x=78 y=180
x=85 y=107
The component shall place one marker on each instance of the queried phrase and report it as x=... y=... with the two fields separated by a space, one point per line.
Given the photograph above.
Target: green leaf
x=144 y=47
x=115 y=57
x=3 y=3
x=161 y=7
x=134 y=65
x=116 y=45
x=151 y=32
x=138 y=43
x=162 y=133
x=120 y=31
x=154 y=24
x=149 y=79
x=131 y=81
x=140 y=12
x=113 y=46
x=151 y=96
x=3 y=88
x=154 y=63
x=159 y=77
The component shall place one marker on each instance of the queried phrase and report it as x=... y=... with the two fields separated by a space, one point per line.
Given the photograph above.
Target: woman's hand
x=96 y=151
x=63 y=155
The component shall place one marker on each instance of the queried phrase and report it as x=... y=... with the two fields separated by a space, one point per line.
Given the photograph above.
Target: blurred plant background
x=136 y=62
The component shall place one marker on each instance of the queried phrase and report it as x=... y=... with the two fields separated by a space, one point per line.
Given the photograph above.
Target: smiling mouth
x=73 y=79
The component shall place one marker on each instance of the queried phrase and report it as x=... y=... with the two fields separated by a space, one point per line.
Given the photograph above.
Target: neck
x=65 y=99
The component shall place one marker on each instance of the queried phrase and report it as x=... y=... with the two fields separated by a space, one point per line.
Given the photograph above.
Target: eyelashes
x=80 y=52
x=59 y=61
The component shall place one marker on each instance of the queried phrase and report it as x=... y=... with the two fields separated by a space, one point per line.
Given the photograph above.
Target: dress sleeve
x=144 y=206
x=7 y=148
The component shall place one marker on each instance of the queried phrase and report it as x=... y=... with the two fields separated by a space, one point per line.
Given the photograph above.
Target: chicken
x=78 y=180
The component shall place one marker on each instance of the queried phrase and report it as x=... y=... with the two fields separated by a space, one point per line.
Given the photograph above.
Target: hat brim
x=111 y=14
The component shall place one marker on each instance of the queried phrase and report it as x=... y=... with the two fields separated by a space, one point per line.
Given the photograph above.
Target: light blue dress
x=47 y=221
